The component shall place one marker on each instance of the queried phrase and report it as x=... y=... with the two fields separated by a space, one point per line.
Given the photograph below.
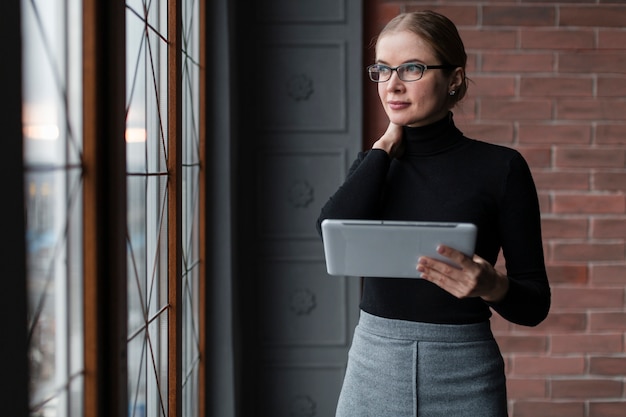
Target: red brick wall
x=549 y=79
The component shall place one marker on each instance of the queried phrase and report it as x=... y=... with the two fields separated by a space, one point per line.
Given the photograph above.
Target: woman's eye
x=413 y=68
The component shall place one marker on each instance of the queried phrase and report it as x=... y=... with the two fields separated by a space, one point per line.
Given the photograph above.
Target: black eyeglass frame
x=405 y=65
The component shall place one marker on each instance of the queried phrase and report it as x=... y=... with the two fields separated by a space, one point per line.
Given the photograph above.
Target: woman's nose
x=394 y=83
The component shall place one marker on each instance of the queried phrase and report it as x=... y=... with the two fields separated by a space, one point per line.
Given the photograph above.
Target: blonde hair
x=442 y=36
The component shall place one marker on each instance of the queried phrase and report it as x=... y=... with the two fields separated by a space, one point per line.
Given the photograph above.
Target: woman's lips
x=397 y=105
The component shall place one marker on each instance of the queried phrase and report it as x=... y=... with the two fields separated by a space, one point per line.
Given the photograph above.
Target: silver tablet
x=383 y=248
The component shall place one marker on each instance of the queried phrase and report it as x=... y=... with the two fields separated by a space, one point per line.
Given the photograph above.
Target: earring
x=452 y=92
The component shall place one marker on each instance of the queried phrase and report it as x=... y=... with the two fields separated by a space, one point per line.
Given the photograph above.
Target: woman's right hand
x=391 y=141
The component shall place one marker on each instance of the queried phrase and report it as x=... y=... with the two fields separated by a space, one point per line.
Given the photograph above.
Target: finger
x=437 y=269
x=442 y=280
x=480 y=261
x=461 y=259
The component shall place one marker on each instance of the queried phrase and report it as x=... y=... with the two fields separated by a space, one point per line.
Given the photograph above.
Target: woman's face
x=413 y=103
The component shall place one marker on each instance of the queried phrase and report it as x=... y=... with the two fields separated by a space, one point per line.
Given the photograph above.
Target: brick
x=497 y=109
x=507 y=363
x=375 y=120
x=611 y=86
x=526 y=408
x=592 y=62
x=592 y=110
x=517 y=62
x=554 y=133
x=490 y=132
x=548 y=365
x=536 y=156
x=609 y=181
x=609 y=321
x=499 y=324
x=560 y=322
x=545 y=202
x=607 y=409
x=611 y=39
x=556 y=86
x=607 y=365
x=528 y=344
x=589 y=203
x=607 y=228
x=526 y=387
x=519 y=16
x=585 y=298
x=586 y=388
x=555 y=39
x=614 y=134
x=587 y=252
x=561 y=180
x=471 y=66
x=601 y=16
x=567 y=274
x=611 y=274
x=564 y=227
x=384 y=13
x=586 y=343
x=464 y=112
x=483 y=39
x=460 y=15
x=546 y=252
x=581 y=157
x=492 y=86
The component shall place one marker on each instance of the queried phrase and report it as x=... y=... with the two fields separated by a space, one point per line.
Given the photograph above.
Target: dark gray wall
x=297 y=84
x=220 y=331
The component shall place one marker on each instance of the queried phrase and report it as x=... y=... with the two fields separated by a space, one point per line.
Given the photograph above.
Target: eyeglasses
x=411 y=71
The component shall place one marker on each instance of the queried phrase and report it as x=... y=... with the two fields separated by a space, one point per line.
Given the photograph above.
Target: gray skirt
x=399 y=368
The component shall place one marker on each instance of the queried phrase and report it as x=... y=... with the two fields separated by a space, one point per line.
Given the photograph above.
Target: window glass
x=190 y=206
x=147 y=215
x=52 y=92
x=52 y=117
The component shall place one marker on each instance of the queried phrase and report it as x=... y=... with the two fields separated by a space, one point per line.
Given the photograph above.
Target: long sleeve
x=359 y=197
x=443 y=176
x=528 y=299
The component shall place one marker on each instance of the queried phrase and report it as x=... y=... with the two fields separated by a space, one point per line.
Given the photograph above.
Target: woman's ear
x=457 y=78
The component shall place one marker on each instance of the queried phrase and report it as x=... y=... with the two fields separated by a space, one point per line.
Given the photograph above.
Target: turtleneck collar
x=433 y=138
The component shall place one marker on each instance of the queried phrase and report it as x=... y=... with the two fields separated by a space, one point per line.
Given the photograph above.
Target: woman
x=424 y=347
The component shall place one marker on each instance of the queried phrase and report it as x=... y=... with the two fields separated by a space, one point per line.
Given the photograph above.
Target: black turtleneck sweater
x=444 y=176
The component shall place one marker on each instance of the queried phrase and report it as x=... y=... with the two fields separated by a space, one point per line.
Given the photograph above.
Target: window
x=52 y=158
x=164 y=221
x=148 y=193
x=192 y=192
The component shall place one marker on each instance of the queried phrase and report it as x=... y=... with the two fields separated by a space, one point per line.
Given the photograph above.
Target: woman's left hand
x=476 y=278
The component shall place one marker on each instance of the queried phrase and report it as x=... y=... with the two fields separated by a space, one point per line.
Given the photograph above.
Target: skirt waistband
x=425 y=332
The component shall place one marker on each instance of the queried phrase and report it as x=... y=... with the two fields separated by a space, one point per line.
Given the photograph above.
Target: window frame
x=13 y=356
x=104 y=188
x=105 y=215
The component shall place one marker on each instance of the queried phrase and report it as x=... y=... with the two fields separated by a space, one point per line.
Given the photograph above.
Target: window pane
x=52 y=91
x=147 y=187
x=190 y=214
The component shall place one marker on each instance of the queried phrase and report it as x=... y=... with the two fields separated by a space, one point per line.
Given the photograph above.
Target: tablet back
x=382 y=248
